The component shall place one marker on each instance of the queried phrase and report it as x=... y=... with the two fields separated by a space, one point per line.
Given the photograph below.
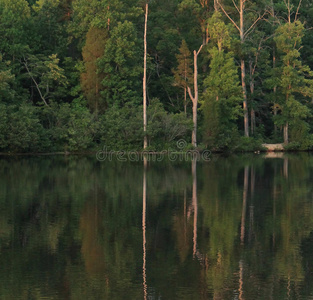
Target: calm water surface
x=239 y=227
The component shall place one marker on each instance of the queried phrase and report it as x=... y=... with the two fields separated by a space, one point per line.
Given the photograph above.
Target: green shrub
x=248 y=144
x=21 y=130
x=73 y=127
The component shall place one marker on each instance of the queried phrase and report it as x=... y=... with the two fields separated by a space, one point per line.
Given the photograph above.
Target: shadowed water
x=239 y=227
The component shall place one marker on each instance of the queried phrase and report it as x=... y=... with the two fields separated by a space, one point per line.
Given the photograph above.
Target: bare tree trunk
x=195 y=120
x=194 y=98
x=243 y=34
x=216 y=6
x=185 y=101
x=185 y=89
x=286 y=140
x=274 y=89
x=252 y=112
x=145 y=141
x=243 y=73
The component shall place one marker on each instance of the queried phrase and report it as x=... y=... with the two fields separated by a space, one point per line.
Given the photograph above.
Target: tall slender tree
x=145 y=141
x=195 y=96
x=244 y=31
x=295 y=79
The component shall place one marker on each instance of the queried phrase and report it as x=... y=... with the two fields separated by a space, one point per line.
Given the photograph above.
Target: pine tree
x=295 y=79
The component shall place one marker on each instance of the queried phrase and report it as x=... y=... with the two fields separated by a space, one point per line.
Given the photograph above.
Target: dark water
x=233 y=228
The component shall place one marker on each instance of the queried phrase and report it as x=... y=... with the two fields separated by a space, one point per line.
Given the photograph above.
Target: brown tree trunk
x=195 y=97
x=274 y=89
x=195 y=100
x=286 y=140
x=185 y=101
x=216 y=6
x=243 y=73
x=145 y=141
x=252 y=112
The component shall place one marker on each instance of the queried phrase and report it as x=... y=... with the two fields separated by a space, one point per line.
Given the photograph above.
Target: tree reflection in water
x=238 y=227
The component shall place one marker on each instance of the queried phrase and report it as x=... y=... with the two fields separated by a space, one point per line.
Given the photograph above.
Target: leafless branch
x=33 y=79
x=228 y=16
x=236 y=5
x=298 y=10
x=199 y=49
x=190 y=94
x=248 y=31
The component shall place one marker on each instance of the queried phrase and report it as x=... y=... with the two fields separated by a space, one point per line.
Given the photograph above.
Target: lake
x=237 y=227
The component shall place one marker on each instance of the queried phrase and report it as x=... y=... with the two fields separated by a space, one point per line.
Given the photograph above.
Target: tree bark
x=243 y=73
x=185 y=101
x=194 y=98
x=274 y=89
x=145 y=141
x=286 y=140
x=252 y=111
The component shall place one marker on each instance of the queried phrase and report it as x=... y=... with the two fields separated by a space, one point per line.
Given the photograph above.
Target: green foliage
x=63 y=52
x=6 y=79
x=165 y=129
x=21 y=130
x=122 y=128
x=222 y=96
x=183 y=74
x=295 y=79
x=14 y=16
x=248 y=144
x=120 y=64
x=74 y=127
x=48 y=27
x=46 y=74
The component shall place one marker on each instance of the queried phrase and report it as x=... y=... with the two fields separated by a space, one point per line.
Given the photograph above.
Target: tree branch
x=37 y=86
x=252 y=26
x=190 y=95
x=227 y=15
x=298 y=10
x=199 y=49
x=236 y=5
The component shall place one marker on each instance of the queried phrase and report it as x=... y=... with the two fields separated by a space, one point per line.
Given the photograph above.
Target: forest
x=224 y=75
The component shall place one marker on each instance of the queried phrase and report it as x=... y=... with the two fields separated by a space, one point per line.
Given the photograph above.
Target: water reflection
x=144 y=209
x=236 y=228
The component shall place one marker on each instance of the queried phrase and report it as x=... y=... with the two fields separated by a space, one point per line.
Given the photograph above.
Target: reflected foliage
x=71 y=228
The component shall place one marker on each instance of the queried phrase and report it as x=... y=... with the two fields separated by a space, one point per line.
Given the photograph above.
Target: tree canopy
x=84 y=60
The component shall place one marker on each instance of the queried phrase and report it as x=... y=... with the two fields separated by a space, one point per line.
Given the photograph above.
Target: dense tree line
x=71 y=74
